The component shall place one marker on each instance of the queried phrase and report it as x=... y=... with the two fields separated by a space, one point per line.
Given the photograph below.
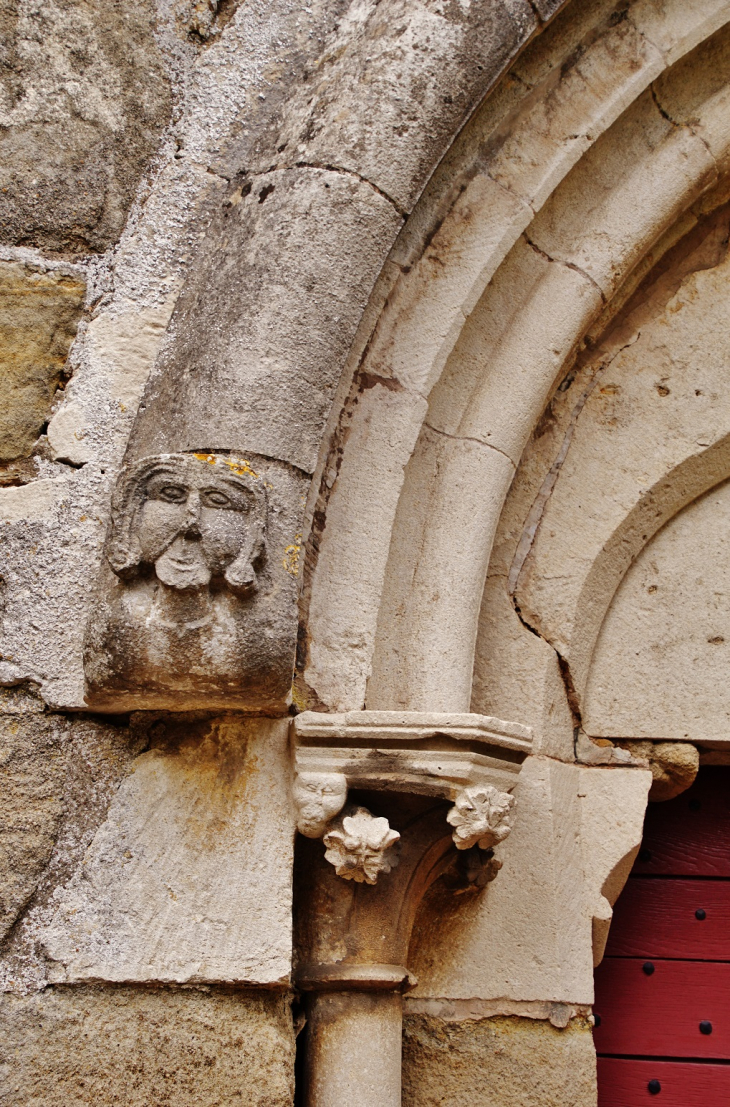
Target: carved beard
x=183 y=566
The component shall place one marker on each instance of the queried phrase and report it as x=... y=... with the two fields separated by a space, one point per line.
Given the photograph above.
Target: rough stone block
x=88 y=98
x=105 y=1047
x=189 y=878
x=30 y=809
x=59 y=775
x=498 y=1062
x=39 y=313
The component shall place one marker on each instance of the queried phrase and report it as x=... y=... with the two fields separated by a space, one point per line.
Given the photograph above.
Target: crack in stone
x=469 y=438
x=682 y=126
x=534 y=522
x=536 y=513
x=567 y=264
x=662 y=110
x=351 y=173
x=324 y=166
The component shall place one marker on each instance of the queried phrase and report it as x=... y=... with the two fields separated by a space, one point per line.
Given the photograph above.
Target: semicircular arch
x=474 y=335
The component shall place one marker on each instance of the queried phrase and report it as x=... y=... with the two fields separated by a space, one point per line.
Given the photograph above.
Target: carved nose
x=192 y=516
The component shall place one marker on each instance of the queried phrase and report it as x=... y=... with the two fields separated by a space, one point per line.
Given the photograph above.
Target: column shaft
x=354 y=1049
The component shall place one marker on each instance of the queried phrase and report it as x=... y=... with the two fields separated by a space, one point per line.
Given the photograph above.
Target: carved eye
x=214 y=498
x=173 y=494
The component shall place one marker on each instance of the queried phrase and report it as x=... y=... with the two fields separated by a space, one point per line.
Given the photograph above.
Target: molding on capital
x=413 y=725
x=368 y=977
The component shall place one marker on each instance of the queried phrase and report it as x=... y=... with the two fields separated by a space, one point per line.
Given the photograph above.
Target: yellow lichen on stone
x=241 y=467
x=290 y=561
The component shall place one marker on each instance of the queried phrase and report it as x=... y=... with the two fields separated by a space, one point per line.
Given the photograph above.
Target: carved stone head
x=195 y=518
x=196 y=600
x=318 y=798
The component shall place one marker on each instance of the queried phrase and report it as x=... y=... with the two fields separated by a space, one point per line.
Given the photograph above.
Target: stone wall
x=411 y=318
x=87 y=95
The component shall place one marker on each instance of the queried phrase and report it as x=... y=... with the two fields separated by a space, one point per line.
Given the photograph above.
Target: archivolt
x=601 y=146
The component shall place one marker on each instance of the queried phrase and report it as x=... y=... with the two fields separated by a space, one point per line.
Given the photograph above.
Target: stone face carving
x=481 y=816
x=360 y=846
x=197 y=598
x=318 y=797
x=197 y=520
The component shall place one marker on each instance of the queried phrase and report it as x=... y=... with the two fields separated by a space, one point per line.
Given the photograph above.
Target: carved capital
x=471 y=760
x=481 y=816
x=360 y=846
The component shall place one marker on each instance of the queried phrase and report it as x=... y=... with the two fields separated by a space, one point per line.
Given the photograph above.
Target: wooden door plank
x=660 y=1014
x=623 y=1083
x=656 y=918
x=690 y=835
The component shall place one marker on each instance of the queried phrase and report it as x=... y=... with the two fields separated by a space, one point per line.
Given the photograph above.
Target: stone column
x=387 y=802
x=354 y=1048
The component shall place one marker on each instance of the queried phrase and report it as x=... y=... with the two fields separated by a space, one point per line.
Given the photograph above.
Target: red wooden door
x=663 y=989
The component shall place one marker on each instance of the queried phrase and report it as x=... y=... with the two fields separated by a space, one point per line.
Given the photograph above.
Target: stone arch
x=635 y=433
x=489 y=306
x=533 y=247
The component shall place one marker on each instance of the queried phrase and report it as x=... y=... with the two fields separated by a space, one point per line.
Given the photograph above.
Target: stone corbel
x=472 y=760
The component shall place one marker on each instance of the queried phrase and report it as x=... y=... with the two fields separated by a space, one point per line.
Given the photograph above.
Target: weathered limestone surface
x=85 y=96
x=238 y=95
x=648 y=406
x=59 y=775
x=189 y=877
x=532 y=131
x=427 y=66
x=39 y=313
x=523 y=671
x=576 y=832
x=258 y=339
x=145 y=1048
x=499 y=1062
x=658 y=670
x=304 y=140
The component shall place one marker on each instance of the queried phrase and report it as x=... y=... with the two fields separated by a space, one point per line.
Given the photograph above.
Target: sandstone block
x=39 y=313
x=146 y=1048
x=498 y=1062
